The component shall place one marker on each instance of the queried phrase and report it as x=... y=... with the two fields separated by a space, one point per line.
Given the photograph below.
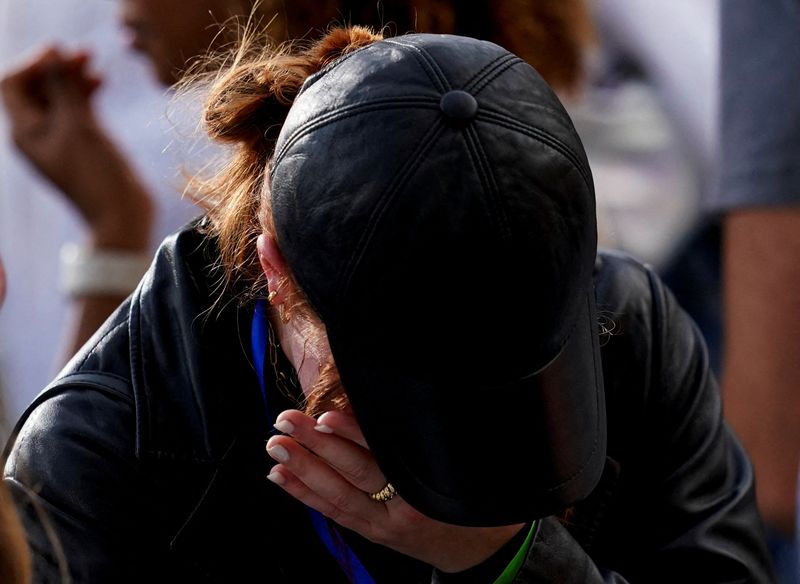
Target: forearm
x=762 y=372
x=116 y=207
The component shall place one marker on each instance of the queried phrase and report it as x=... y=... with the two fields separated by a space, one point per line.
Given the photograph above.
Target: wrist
x=127 y=219
x=100 y=272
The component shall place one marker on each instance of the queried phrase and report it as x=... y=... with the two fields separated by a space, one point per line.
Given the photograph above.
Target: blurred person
x=758 y=198
x=648 y=116
x=54 y=125
x=404 y=247
x=675 y=48
x=35 y=222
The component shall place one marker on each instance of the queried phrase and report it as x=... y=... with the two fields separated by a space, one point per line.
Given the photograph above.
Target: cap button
x=458 y=105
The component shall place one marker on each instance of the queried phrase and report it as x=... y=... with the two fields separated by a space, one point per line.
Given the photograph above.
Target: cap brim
x=478 y=454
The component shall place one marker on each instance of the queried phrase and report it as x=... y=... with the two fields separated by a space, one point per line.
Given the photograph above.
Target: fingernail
x=278 y=452
x=284 y=426
x=322 y=426
x=277 y=478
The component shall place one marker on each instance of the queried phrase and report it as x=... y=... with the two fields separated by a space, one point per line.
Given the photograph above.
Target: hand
x=329 y=467
x=48 y=101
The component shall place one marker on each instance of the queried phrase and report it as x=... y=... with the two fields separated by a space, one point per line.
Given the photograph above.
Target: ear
x=273 y=264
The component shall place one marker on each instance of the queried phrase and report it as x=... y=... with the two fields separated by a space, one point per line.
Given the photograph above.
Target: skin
x=327 y=465
x=762 y=370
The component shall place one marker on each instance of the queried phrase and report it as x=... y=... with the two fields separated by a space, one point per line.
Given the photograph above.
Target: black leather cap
x=435 y=204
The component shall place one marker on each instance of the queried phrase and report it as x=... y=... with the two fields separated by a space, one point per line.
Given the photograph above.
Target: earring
x=286 y=384
x=271 y=296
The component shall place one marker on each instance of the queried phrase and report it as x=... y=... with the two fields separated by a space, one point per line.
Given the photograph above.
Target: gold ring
x=387 y=493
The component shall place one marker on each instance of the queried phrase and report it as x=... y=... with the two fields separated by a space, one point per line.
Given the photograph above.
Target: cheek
x=190 y=31
x=177 y=31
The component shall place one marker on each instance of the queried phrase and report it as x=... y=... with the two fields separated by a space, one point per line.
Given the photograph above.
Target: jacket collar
x=193 y=381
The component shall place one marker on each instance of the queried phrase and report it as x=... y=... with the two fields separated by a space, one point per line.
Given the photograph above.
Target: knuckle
x=359 y=472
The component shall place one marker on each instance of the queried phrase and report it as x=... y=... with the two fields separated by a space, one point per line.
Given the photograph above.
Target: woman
x=51 y=106
x=405 y=241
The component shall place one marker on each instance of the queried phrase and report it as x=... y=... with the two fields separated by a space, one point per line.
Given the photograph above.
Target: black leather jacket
x=146 y=456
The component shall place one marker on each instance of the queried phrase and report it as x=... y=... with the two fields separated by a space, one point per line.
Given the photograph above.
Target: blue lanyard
x=328 y=533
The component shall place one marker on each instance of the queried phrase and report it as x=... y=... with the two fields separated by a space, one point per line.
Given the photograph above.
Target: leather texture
x=146 y=456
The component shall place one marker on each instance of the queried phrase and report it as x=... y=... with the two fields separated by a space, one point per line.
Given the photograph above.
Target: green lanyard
x=515 y=564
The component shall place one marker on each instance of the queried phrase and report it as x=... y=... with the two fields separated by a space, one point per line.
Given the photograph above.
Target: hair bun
x=250 y=99
x=339 y=42
x=249 y=102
